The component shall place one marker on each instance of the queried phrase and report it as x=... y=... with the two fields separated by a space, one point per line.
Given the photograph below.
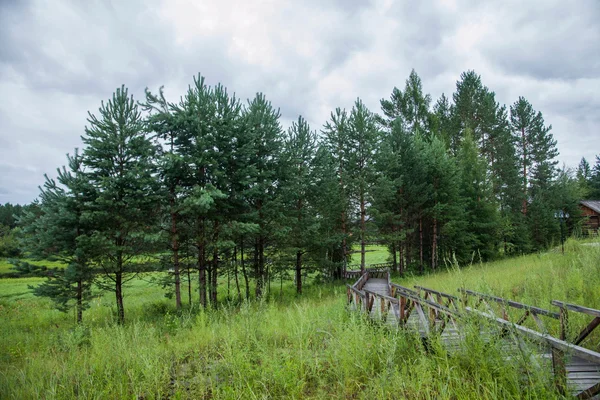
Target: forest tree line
x=212 y=185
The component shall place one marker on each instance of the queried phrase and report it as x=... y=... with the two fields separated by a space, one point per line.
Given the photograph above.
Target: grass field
x=5 y=265
x=375 y=254
x=293 y=347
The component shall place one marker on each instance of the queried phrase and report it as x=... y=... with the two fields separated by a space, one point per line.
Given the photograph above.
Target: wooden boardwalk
x=429 y=312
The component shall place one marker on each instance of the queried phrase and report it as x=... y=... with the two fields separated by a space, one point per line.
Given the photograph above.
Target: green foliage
x=9 y=245
x=120 y=162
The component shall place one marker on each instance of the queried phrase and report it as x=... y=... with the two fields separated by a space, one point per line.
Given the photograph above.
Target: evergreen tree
x=172 y=173
x=336 y=142
x=363 y=137
x=594 y=181
x=584 y=175
x=119 y=157
x=479 y=229
x=57 y=228
x=261 y=120
x=300 y=192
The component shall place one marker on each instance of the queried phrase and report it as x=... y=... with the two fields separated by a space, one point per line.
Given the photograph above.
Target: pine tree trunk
x=408 y=245
x=79 y=301
x=189 y=279
x=257 y=272
x=394 y=257
x=260 y=254
x=175 y=248
x=299 y=272
x=201 y=263
x=344 y=230
x=401 y=263
x=119 y=295
x=215 y=265
x=421 y=267
x=434 y=245
x=524 y=144
x=244 y=272
x=362 y=231
x=235 y=272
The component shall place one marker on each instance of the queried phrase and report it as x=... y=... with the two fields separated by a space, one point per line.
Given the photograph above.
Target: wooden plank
x=569 y=348
x=514 y=304
x=576 y=308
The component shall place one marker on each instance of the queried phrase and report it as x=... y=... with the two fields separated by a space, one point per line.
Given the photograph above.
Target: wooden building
x=590 y=209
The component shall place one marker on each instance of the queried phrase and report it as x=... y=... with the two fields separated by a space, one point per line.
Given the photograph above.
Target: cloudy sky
x=59 y=59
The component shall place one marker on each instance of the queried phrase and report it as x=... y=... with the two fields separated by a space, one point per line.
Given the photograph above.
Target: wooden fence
x=437 y=310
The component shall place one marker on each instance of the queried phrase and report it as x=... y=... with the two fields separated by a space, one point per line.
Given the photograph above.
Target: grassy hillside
x=289 y=347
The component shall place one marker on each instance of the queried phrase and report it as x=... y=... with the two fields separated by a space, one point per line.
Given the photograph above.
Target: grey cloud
x=60 y=59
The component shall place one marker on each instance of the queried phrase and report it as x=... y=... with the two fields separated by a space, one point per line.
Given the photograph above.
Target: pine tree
x=336 y=142
x=594 y=181
x=584 y=175
x=194 y=144
x=363 y=137
x=479 y=226
x=58 y=228
x=172 y=172
x=119 y=157
x=261 y=120
x=300 y=192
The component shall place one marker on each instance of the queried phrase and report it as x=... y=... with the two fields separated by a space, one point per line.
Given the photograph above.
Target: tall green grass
x=294 y=347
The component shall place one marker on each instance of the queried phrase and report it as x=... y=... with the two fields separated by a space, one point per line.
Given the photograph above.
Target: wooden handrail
x=383 y=296
x=576 y=308
x=404 y=289
x=449 y=296
x=514 y=304
x=572 y=349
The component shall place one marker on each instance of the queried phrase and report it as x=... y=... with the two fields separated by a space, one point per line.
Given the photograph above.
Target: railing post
x=564 y=322
x=560 y=371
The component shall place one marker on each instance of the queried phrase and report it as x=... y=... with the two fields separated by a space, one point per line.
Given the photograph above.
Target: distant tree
x=594 y=181
x=9 y=214
x=584 y=175
x=119 y=157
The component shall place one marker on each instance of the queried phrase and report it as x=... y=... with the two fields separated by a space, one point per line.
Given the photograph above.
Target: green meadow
x=284 y=346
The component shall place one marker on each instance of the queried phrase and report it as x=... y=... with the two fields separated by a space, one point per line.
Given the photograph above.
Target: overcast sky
x=59 y=59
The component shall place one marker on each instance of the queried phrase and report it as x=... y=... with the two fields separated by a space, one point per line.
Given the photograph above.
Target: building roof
x=591 y=204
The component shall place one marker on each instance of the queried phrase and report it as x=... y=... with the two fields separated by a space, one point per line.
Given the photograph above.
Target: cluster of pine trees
x=212 y=186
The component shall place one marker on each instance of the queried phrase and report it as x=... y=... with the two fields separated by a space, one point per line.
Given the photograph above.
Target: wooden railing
x=561 y=348
x=437 y=310
x=503 y=304
x=359 y=298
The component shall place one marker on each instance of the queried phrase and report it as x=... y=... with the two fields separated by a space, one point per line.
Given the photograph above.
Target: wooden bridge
x=576 y=369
